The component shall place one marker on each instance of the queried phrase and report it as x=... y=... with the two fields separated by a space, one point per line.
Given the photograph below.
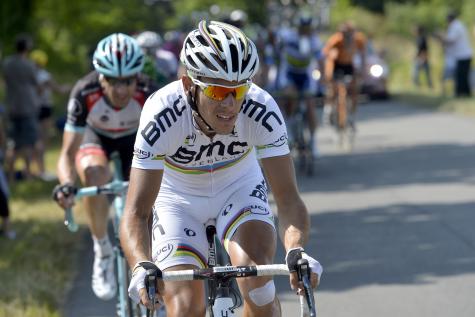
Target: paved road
x=392 y=222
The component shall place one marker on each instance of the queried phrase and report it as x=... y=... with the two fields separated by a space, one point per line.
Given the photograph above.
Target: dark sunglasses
x=127 y=81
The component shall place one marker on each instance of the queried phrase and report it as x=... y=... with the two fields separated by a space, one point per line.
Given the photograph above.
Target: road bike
x=223 y=296
x=300 y=138
x=115 y=189
x=339 y=113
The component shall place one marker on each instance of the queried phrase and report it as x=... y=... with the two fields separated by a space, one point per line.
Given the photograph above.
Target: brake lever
x=303 y=273
x=151 y=283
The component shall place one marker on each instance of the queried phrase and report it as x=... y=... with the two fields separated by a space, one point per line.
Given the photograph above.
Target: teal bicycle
x=117 y=189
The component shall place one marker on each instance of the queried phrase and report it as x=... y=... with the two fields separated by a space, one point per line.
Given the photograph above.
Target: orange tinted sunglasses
x=220 y=92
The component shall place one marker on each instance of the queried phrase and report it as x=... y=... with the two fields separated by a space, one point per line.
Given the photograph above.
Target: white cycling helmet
x=219 y=50
x=149 y=39
x=118 y=55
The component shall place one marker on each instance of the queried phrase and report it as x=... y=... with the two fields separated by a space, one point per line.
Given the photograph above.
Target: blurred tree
x=15 y=18
x=70 y=31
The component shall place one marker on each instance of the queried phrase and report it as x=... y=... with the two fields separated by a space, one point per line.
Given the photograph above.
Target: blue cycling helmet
x=118 y=55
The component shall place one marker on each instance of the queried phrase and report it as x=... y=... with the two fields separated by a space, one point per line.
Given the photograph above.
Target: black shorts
x=23 y=131
x=45 y=112
x=94 y=143
x=342 y=70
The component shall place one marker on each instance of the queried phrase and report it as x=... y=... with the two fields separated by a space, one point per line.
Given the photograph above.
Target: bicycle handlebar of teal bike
x=112 y=188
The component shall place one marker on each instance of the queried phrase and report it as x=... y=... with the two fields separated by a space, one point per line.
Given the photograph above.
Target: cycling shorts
x=301 y=81
x=96 y=144
x=178 y=230
x=342 y=70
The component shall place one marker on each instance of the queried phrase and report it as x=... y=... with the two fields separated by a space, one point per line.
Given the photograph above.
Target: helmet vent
x=234 y=58
x=191 y=62
x=201 y=39
x=228 y=34
x=208 y=63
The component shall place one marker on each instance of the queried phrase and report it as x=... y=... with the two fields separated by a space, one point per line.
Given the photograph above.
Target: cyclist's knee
x=95 y=175
x=184 y=299
x=254 y=242
x=259 y=292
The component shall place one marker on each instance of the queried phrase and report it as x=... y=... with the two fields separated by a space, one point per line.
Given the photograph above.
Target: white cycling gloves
x=137 y=283
x=141 y=274
x=314 y=265
x=295 y=254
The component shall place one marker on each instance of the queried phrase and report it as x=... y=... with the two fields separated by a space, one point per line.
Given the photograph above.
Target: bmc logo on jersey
x=266 y=117
x=152 y=131
x=185 y=156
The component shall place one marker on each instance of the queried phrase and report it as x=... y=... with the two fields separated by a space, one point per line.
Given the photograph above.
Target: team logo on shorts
x=260 y=191
x=258 y=210
x=164 y=251
x=226 y=210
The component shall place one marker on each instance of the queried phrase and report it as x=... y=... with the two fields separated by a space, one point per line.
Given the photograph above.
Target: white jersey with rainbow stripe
x=168 y=138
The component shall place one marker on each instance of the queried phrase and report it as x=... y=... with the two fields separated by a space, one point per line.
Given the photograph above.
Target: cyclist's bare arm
x=70 y=146
x=134 y=229
x=294 y=221
x=66 y=170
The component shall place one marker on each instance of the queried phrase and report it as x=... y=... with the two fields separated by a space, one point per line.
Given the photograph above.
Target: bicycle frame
x=118 y=188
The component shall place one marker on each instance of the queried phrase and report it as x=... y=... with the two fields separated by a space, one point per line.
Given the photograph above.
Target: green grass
x=36 y=269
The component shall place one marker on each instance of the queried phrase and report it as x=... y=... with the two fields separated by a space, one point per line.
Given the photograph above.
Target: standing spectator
x=5 y=229
x=21 y=101
x=456 y=40
x=47 y=86
x=448 y=71
x=422 y=57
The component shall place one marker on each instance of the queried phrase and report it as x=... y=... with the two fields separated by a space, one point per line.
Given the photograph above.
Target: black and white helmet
x=219 y=50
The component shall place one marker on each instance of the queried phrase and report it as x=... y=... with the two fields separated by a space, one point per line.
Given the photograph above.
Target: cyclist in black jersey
x=103 y=115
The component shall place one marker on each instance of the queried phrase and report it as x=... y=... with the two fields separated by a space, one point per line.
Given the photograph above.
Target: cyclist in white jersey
x=197 y=148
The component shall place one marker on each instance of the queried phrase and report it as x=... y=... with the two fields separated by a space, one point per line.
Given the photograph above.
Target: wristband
x=293 y=255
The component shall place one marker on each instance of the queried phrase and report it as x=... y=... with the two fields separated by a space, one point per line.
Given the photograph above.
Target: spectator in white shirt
x=456 y=40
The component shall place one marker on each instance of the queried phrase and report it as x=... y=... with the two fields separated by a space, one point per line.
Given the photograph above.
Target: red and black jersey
x=88 y=106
